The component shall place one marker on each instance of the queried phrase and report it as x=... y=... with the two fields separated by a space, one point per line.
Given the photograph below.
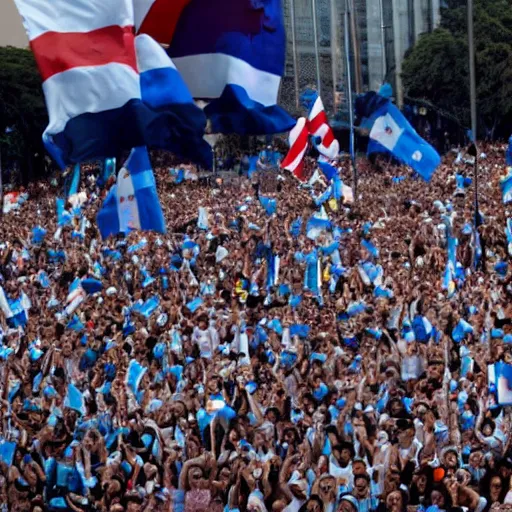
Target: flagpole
x=472 y=86
x=317 y=55
x=334 y=52
x=383 y=41
x=294 y=53
x=350 y=100
x=355 y=48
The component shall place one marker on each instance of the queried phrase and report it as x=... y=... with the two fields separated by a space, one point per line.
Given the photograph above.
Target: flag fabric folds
x=506 y=186
x=158 y=17
x=391 y=132
x=298 y=140
x=132 y=202
x=319 y=128
x=85 y=51
x=328 y=170
x=180 y=127
x=508 y=156
x=232 y=55
x=86 y=56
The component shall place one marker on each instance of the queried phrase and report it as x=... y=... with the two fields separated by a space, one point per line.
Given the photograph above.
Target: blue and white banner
x=391 y=132
x=503 y=376
x=132 y=202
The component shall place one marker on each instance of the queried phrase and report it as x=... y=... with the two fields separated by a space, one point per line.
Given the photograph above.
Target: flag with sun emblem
x=391 y=132
x=132 y=203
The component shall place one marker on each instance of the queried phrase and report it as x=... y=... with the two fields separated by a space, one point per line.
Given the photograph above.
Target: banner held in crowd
x=132 y=202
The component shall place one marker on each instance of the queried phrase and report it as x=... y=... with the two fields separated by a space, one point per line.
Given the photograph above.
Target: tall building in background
x=12 y=32
x=401 y=24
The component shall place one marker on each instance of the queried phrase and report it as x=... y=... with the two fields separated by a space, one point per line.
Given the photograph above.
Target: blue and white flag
x=508 y=156
x=392 y=133
x=503 y=376
x=132 y=202
x=231 y=53
x=508 y=233
x=506 y=186
x=329 y=170
x=317 y=224
x=182 y=123
x=74 y=182
x=15 y=311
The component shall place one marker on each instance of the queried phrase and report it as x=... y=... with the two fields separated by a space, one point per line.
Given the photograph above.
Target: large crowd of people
x=279 y=349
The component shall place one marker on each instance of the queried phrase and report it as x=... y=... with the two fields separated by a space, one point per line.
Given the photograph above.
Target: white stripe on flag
x=318 y=107
x=127 y=207
x=207 y=75
x=150 y=55
x=88 y=90
x=41 y=16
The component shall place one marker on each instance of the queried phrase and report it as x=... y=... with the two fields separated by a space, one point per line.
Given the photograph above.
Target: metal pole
x=383 y=42
x=355 y=48
x=334 y=51
x=317 y=55
x=294 y=53
x=350 y=101
x=472 y=86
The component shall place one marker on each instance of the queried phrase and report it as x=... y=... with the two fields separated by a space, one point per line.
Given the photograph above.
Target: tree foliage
x=23 y=115
x=437 y=68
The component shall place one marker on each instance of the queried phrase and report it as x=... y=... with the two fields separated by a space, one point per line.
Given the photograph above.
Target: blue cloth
x=75 y=181
x=509 y=152
x=392 y=133
x=164 y=90
x=133 y=202
x=269 y=205
x=461 y=330
x=92 y=286
x=329 y=171
x=506 y=188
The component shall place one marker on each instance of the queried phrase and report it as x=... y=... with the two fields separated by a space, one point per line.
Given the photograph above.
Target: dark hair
x=313 y=497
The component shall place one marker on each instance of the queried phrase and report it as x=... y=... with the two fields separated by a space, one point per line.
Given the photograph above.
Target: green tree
x=23 y=115
x=437 y=68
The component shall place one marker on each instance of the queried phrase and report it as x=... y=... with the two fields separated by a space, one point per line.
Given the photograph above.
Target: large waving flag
x=319 y=128
x=180 y=127
x=298 y=139
x=86 y=56
x=231 y=53
x=85 y=51
x=391 y=132
x=506 y=186
x=132 y=202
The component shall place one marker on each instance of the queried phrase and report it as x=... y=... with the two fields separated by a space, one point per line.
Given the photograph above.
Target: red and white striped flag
x=298 y=139
x=318 y=123
x=85 y=52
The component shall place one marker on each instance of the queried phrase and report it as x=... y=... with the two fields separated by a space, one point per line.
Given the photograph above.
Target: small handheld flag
x=132 y=202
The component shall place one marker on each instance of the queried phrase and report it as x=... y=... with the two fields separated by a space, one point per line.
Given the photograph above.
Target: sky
x=12 y=32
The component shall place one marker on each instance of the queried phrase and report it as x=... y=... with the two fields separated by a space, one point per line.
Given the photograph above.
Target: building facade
x=385 y=30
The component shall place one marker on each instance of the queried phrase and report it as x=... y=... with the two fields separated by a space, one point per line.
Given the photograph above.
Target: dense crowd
x=254 y=359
